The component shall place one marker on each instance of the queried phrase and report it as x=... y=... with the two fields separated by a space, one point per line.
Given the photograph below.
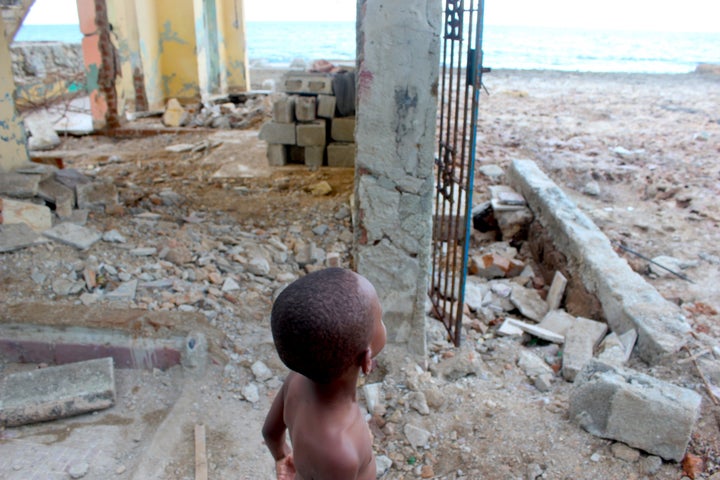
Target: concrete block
x=311 y=134
x=326 y=106
x=37 y=217
x=277 y=155
x=314 y=156
x=633 y=408
x=56 y=392
x=96 y=195
x=59 y=195
x=580 y=342
x=341 y=154
x=305 y=108
x=304 y=82
x=284 y=109
x=343 y=129
x=628 y=301
x=18 y=185
x=278 y=133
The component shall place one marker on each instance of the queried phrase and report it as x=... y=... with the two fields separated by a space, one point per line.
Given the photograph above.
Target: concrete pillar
x=397 y=80
x=13 y=147
x=235 y=77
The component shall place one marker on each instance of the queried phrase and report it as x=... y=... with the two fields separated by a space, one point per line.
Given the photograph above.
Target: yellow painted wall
x=178 y=56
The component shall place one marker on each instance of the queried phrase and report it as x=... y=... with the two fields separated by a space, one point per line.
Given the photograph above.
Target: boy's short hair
x=322 y=323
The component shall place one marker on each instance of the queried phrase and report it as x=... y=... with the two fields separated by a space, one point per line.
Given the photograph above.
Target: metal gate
x=460 y=86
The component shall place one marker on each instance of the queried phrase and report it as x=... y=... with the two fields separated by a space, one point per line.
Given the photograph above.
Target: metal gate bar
x=460 y=85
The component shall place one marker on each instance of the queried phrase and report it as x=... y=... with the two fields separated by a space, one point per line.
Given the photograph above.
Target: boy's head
x=327 y=322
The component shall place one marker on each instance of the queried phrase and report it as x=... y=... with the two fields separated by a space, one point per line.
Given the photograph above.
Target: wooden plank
x=201 y=471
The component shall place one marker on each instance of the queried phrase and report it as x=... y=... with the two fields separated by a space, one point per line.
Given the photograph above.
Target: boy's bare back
x=330 y=441
x=327 y=328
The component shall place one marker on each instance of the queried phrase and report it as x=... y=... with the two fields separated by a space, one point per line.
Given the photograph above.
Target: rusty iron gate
x=460 y=85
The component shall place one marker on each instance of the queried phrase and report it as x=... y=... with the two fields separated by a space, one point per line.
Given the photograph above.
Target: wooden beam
x=201 y=471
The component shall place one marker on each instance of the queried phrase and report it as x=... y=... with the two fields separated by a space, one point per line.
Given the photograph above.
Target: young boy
x=327 y=327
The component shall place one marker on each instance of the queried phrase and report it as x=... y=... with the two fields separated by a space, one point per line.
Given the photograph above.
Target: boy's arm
x=274 y=429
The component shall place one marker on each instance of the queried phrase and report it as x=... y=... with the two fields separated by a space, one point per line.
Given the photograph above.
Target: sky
x=658 y=15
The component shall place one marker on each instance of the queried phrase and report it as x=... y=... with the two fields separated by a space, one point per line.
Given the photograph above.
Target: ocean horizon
x=504 y=47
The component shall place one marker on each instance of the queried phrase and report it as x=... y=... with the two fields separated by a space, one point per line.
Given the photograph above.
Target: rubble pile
x=246 y=111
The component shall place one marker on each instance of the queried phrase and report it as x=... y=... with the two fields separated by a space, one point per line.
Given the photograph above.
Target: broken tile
x=74 y=235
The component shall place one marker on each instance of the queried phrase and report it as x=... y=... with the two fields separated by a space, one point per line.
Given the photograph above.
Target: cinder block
x=633 y=408
x=284 y=109
x=326 y=106
x=314 y=156
x=343 y=129
x=580 y=341
x=311 y=134
x=56 y=392
x=278 y=133
x=303 y=82
x=305 y=108
x=341 y=154
x=277 y=155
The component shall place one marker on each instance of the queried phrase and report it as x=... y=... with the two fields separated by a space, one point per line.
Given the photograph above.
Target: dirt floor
x=638 y=153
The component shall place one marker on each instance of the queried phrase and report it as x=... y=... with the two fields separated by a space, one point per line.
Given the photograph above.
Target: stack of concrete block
x=306 y=127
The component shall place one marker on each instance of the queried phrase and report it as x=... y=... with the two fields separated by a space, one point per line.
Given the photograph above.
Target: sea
x=504 y=47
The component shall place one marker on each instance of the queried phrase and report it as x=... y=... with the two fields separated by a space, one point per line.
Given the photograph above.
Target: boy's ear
x=367 y=362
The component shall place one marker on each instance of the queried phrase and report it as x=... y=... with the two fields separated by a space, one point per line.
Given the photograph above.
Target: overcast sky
x=660 y=15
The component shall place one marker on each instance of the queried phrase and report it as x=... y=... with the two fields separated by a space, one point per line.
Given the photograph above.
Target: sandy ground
x=638 y=153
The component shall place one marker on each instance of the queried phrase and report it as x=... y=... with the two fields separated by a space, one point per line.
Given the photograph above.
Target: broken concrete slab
x=74 y=235
x=580 y=341
x=558 y=321
x=628 y=301
x=37 y=217
x=556 y=292
x=529 y=302
x=536 y=331
x=56 y=392
x=636 y=409
x=59 y=195
x=616 y=349
x=16 y=236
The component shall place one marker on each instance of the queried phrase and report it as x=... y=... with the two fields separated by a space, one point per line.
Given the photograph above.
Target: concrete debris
x=175 y=115
x=557 y=321
x=636 y=409
x=19 y=185
x=616 y=349
x=529 y=302
x=56 y=392
x=37 y=217
x=581 y=339
x=416 y=436
x=494 y=265
x=536 y=331
x=74 y=235
x=556 y=292
x=16 y=237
